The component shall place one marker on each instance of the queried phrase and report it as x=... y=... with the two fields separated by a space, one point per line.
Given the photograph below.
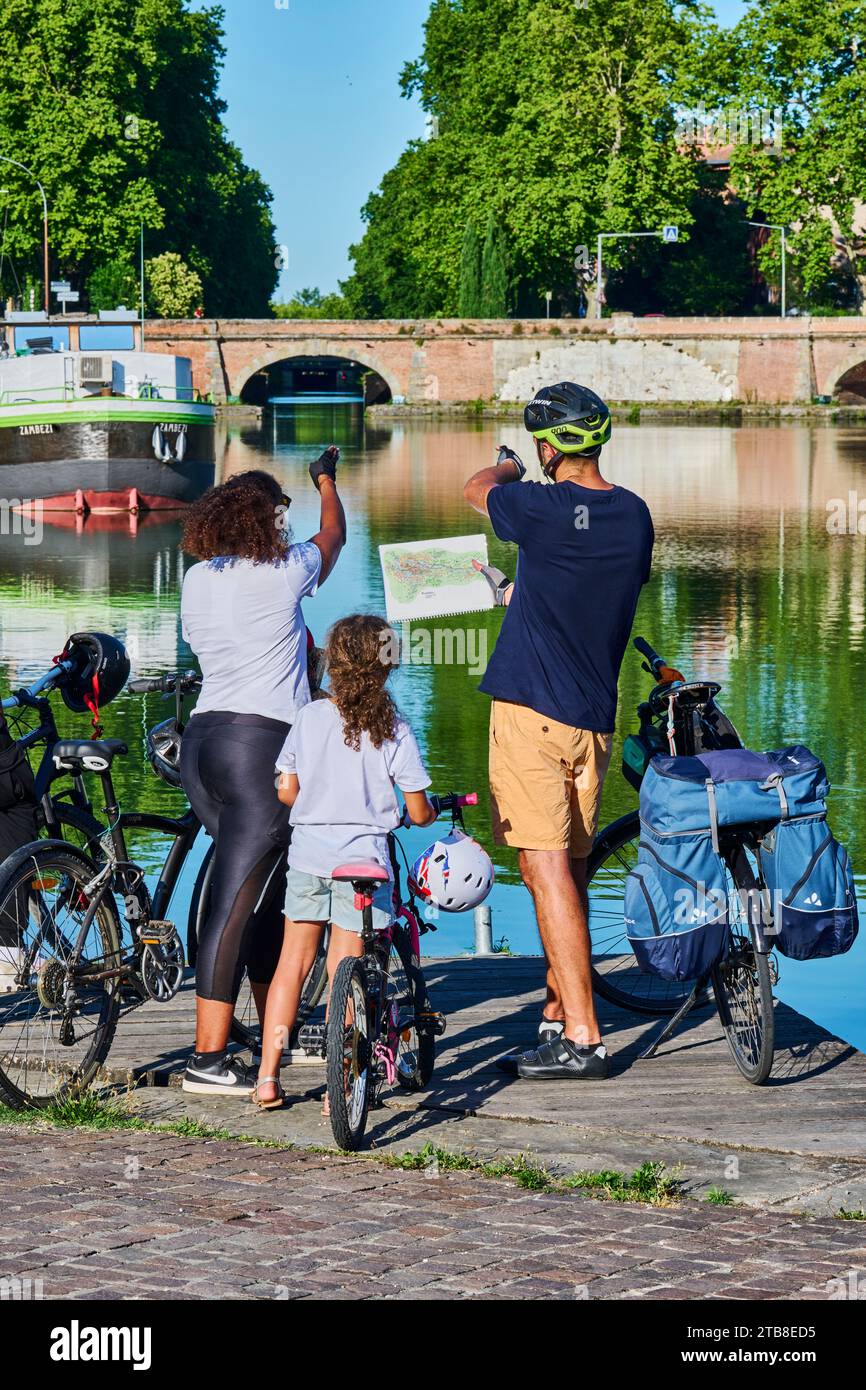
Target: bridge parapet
x=765 y=361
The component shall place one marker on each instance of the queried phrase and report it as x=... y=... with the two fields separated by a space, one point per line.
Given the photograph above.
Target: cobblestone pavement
x=123 y=1214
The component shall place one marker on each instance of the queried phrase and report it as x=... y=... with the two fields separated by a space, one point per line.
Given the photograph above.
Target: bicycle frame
x=121 y=873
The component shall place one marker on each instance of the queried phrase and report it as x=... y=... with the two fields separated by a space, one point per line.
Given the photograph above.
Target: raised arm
x=331 y=536
x=508 y=469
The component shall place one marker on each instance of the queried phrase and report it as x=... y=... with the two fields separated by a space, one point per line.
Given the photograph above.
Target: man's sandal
x=278 y=1101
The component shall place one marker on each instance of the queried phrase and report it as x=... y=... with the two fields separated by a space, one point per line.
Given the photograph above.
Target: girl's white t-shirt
x=347 y=803
x=244 y=623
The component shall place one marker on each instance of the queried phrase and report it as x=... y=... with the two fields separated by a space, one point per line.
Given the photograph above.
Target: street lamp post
x=18 y=165
x=612 y=236
x=777 y=227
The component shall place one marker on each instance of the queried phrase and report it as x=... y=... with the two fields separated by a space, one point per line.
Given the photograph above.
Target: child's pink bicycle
x=382 y=1028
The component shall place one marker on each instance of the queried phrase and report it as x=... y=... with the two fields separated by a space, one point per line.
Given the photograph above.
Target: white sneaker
x=229 y=1076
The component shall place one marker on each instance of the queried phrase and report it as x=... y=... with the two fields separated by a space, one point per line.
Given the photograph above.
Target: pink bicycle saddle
x=362 y=869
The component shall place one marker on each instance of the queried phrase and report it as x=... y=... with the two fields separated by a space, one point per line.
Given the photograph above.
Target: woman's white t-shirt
x=244 y=623
x=346 y=804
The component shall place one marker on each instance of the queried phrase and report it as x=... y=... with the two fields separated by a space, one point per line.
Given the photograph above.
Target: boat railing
x=62 y=394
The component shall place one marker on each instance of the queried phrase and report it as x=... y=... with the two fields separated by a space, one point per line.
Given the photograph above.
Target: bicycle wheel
x=54 y=1033
x=616 y=975
x=349 y=1054
x=743 y=985
x=77 y=827
x=407 y=1000
x=245 y=1027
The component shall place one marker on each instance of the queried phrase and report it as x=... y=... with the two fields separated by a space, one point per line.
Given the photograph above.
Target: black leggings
x=227 y=765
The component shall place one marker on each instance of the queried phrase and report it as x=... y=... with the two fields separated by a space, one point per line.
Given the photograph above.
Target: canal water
x=750 y=588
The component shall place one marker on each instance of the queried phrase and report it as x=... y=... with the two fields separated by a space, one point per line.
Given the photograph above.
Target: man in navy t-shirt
x=584 y=551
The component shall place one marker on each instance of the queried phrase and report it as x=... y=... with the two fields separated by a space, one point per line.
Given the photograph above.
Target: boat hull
x=107 y=464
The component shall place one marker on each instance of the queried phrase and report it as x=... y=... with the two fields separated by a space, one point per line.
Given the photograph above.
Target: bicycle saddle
x=686 y=693
x=362 y=871
x=94 y=754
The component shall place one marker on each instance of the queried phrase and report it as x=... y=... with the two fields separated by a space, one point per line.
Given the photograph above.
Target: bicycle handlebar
x=652 y=656
x=657 y=666
x=165 y=685
x=30 y=692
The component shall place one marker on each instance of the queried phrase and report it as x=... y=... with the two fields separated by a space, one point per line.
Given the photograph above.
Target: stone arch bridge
x=763 y=361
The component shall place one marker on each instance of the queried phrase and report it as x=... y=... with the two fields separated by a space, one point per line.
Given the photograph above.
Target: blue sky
x=313 y=102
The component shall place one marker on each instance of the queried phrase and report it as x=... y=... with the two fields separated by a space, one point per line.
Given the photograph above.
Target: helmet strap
x=92 y=703
x=548 y=469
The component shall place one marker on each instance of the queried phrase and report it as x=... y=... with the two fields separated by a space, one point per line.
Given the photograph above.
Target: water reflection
x=748 y=588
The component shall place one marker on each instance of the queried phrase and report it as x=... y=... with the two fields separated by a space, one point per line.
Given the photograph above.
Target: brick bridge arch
x=835 y=372
x=241 y=367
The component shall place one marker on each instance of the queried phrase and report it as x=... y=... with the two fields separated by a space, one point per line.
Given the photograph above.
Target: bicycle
x=682 y=717
x=382 y=1027
x=84 y=936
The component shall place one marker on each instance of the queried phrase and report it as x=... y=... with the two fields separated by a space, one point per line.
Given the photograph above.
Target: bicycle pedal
x=430 y=1021
x=155 y=933
x=313 y=1039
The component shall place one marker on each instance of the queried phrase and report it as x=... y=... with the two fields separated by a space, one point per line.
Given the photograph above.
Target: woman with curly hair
x=339 y=767
x=241 y=614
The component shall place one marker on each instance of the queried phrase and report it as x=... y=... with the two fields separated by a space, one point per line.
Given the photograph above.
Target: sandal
x=279 y=1100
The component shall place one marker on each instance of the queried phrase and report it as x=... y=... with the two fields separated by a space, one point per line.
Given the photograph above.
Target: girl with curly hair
x=241 y=615
x=339 y=768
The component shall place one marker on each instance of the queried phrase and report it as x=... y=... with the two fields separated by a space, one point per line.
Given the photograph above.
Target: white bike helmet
x=455 y=873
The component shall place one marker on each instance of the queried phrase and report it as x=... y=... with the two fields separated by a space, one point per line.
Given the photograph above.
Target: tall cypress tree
x=494 y=273
x=469 y=292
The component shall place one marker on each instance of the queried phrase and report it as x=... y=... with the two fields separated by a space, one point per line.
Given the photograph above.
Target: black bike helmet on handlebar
x=100 y=670
x=163 y=750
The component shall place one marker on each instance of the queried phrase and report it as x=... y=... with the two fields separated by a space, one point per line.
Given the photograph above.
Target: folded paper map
x=434 y=579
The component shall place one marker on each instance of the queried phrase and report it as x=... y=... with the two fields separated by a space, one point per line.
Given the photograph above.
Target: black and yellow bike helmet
x=571 y=418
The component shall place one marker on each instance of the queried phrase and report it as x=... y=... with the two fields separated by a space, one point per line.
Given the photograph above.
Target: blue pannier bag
x=812 y=904
x=676 y=905
x=676 y=901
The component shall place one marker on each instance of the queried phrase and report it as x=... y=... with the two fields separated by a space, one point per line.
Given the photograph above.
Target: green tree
x=111 y=284
x=806 y=59
x=173 y=290
x=557 y=134
x=494 y=273
x=469 y=297
x=114 y=105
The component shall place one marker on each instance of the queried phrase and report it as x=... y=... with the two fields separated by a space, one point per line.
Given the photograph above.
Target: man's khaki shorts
x=545 y=780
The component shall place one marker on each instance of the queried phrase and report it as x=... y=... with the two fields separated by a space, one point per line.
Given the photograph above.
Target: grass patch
x=651 y=1183
x=521 y=1169
x=849 y=1214
x=85 y=1111
x=719 y=1197
x=91 y=1111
